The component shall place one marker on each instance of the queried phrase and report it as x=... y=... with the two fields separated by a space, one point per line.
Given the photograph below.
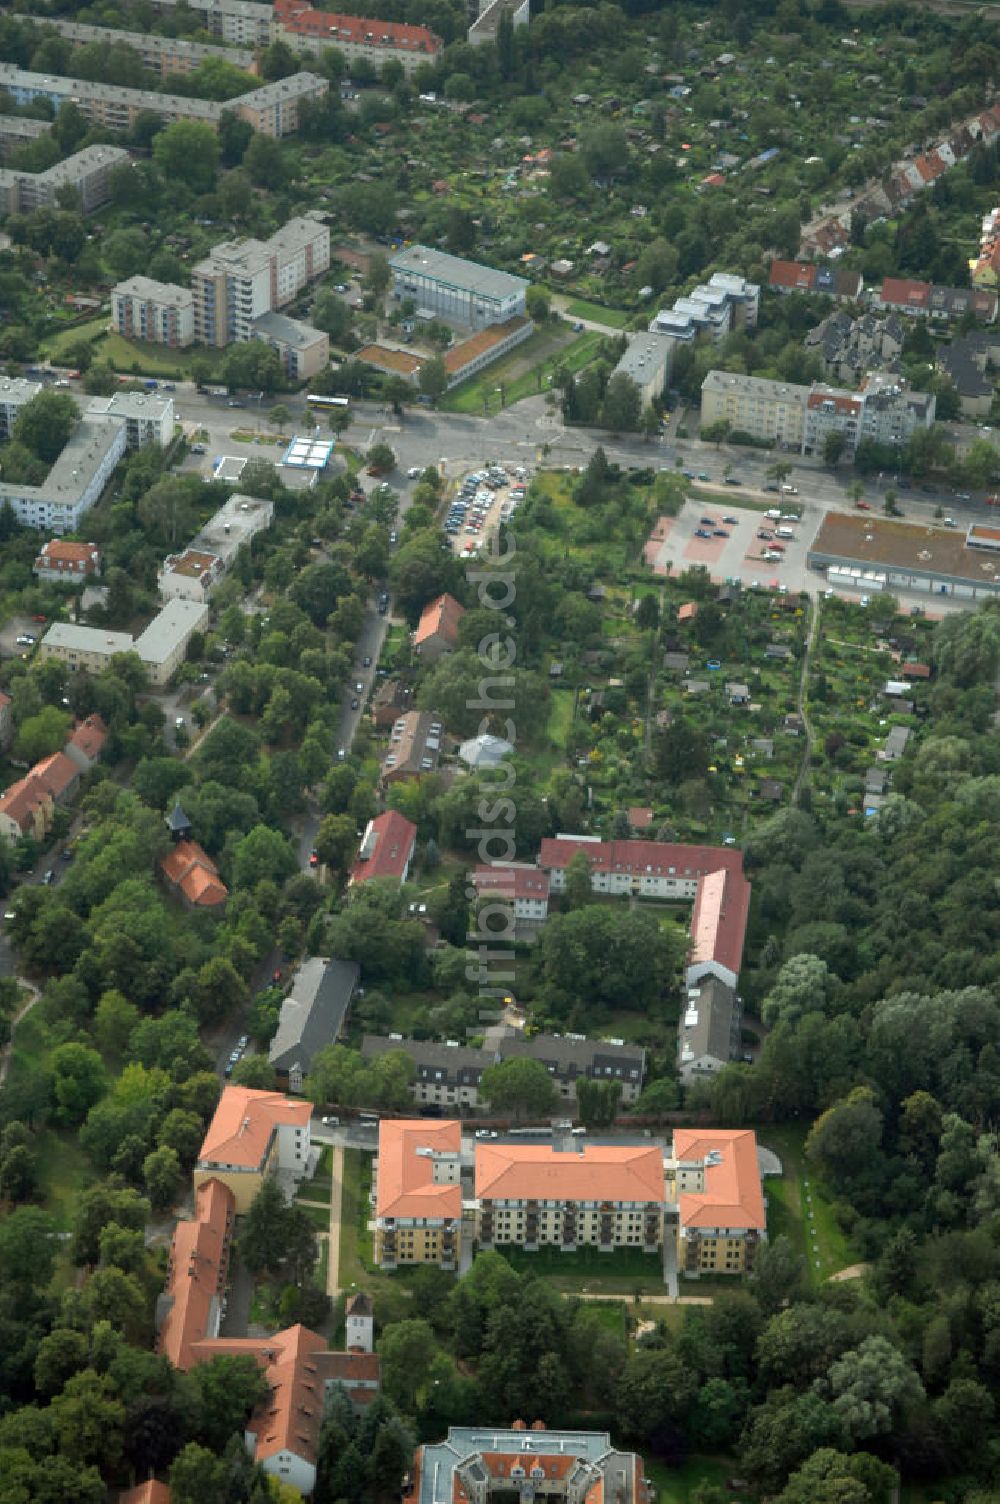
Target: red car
x=314 y=858
x=38 y=616
x=863 y=506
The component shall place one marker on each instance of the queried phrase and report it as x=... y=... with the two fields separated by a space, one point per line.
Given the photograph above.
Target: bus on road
x=323 y=404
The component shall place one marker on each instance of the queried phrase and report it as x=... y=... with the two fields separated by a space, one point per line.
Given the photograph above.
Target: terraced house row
x=703 y=1198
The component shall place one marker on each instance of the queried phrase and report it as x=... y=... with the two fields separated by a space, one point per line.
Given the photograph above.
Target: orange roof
x=244 y=1122
x=732 y=1196
x=797 y=275
x=187 y=867
x=459 y=356
x=688 y=611
x=384 y=359
x=640 y=816
x=90 y=736
x=593 y=1172
x=58 y=551
x=301 y=19
x=199 y=1257
x=21 y=799
x=406 y=1185
x=439 y=619
x=150 y=1492
x=55 y=773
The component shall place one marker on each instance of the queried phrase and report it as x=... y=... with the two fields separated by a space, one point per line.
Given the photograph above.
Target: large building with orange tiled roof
x=254 y=1134
x=605 y=1196
x=418 y=1195
x=474 y=1463
x=437 y=630
x=714 y=1180
x=193 y=877
x=190 y=1308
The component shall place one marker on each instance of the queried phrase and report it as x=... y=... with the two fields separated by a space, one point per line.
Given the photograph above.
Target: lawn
x=135 y=357
x=542 y=353
x=796 y=1195
x=676 y=1485
x=318 y=1188
x=54 y=344
x=624 y=1271
x=561 y=705
x=613 y=317
x=63 y=1172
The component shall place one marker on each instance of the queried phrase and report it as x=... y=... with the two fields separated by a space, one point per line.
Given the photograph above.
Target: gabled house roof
x=90 y=736
x=244 y=1122
x=386 y=848
x=512 y=880
x=732 y=1196
x=55 y=774
x=719 y=921
x=313 y=1012
x=150 y=1492
x=587 y=1172
x=406 y=1187
x=439 y=619
x=196 y=1273
x=187 y=868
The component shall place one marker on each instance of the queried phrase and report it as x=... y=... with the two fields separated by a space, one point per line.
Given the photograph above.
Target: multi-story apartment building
x=273 y=109
x=456 y=290
x=254 y=1134
x=604 y=1196
x=417 y=1194
x=357 y=37
x=713 y=308
x=448 y=1074
x=708 y=1032
x=18 y=130
x=520 y=888
x=61 y=562
x=475 y=1464
x=242 y=280
x=194 y=573
x=714 y=1185
x=646 y=361
x=801 y=417
x=414 y=746
x=87 y=173
x=302 y=350
x=161 y=313
x=241 y=23
x=167 y=56
x=148 y=419
x=770 y=410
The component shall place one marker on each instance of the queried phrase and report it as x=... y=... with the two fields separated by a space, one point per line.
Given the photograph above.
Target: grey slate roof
x=313 y=1013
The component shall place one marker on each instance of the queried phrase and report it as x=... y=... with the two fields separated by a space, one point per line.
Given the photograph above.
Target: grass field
x=54 y=345
x=136 y=357
x=792 y=1197
x=542 y=353
x=675 y=1485
x=623 y=1272
x=613 y=317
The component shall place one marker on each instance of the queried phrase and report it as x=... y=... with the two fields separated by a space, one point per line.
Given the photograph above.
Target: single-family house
x=193 y=877
x=86 y=743
x=414 y=746
x=437 y=629
x=390 y=700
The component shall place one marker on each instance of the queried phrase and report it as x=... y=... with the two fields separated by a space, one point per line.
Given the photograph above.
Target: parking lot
x=728 y=542
x=485 y=498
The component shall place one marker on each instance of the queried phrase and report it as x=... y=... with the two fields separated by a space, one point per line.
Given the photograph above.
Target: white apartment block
x=273 y=109
x=800 y=417
x=160 y=313
x=193 y=574
x=109 y=427
x=714 y=308
x=87 y=173
x=647 y=362
x=239 y=22
x=167 y=56
x=244 y=279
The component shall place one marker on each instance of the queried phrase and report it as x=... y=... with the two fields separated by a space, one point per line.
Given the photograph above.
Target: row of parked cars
x=238 y=1053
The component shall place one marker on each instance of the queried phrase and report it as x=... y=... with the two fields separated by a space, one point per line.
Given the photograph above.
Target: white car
x=413 y=472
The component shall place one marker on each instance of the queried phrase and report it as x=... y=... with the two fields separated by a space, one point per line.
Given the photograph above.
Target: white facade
x=161 y=313
x=164 y=642
x=287 y=1467
x=359 y=1333
x=294 y=1143
x=455 y=289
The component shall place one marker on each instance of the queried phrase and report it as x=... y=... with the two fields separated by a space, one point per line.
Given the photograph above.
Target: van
x=773 y=513
x=784 y=532
x=789 y=490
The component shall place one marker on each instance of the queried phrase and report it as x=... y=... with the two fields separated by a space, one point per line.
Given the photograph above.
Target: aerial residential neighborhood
x=499 y=662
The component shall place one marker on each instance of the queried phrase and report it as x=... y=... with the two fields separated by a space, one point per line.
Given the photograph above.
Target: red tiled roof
x=21 y=799
x=90 y=736
x=405 y=1185
x=594 y=1172
x=732 y=1196
x=640 y=858
x=199 y=1258
x=55 y=773
x=719 y=920
x=905 y=292
x=302 y=20
x=514 y=881
x=386 y=848
x=847 y=406
x=797 y=275
x=187 y=868
x=439 y=619
x=640 y=816
x=58 y=554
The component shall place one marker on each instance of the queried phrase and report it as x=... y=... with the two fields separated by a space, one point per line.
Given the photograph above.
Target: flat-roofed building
x=874 y=553
x=714 y=1181
x=391 y=362
x=242 y=280
x=162 y=645
x=302 y=350
x=418 y=1194
x=189 y=576
x=604 y=1196
x=646 y=361
x=148 y=418
x=455 y=289
x=195 y=572
x=161 y=313
x=768 y=410
x=254 y=1134
x=167 y=56
x=75 y=482
x=486 y=346
x=243 y=23
x=87 y=173
x=18 y=130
